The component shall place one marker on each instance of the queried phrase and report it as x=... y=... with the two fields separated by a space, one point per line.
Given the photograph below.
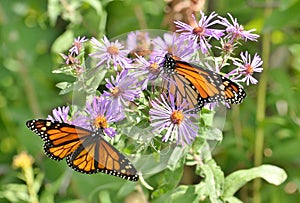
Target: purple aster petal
x=111 y=53
x=60 y=114
x=248 y=67
x=111 y=132
x=175 y=45
x=183 y=132
x=122 y=89
x=146 y=71
x=236 y=31
x=77 y=45
x=99 y=108
x=200 y=31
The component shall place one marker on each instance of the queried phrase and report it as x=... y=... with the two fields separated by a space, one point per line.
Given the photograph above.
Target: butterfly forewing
x=60 y=139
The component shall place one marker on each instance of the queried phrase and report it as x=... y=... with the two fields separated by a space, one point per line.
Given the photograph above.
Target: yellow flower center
x=116 y=91
x=177 y=117
x=199 y=31
x=113 y=50
x=249 y=69
x=100 y=122
x=153 y=68
x=227 y=48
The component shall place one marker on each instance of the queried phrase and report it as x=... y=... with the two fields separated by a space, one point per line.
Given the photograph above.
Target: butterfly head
x=169 y=63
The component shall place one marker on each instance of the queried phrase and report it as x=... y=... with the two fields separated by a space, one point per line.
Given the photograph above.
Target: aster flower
x=110 y=52
x=100 y=117
x=177 y=46
x=248 y=67
x=236 y=31
x=63 y=115
x=121 y=90
x=148 y=70
x=178 y=122
x=77 y=45
x=200 y=31
x=139 y=43
x=227 y=47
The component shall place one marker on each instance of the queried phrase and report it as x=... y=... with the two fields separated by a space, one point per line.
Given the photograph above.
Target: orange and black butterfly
x=85 y=151
x=197 y=85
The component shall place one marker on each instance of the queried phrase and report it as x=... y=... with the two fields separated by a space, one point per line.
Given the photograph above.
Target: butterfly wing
x=97 y=155
x=234 y=93
x=61 y=139
x=197 y=85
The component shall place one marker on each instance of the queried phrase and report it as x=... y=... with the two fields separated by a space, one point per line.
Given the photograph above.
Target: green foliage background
x=33 y=32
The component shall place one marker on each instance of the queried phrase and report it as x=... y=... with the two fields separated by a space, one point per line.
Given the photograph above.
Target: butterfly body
x=85 y=151
x=197 y=85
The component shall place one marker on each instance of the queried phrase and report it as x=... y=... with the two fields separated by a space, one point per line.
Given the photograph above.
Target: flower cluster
x=134 y=66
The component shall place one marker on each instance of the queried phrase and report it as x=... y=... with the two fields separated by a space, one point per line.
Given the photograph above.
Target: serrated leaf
x=212 y=185
x=237 y=179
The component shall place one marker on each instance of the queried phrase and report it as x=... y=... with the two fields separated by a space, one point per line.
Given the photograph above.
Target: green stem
x=261 y=106
x=29 y=177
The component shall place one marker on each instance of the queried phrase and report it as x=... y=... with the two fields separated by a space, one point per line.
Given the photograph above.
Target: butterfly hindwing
x=234 y=93
x=97 y=155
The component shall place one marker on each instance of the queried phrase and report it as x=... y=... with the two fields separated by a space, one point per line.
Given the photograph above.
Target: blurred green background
x=30 y=42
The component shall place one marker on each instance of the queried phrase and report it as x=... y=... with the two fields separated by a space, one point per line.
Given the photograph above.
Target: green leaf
x=62 y=85
x=52 y=189
x=104 y=196
x=92 y=82
x=182 y=193
x=38 y=181
x=236 y=180
x=213 y=182
x=15 y=192
x=63 y=42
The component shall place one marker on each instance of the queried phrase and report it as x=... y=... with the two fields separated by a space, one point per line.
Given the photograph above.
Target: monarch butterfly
x=85 y=151
x=197 y=85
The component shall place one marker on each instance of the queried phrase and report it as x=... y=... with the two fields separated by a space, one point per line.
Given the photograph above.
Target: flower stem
x=29 y=177
x=261 y=104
